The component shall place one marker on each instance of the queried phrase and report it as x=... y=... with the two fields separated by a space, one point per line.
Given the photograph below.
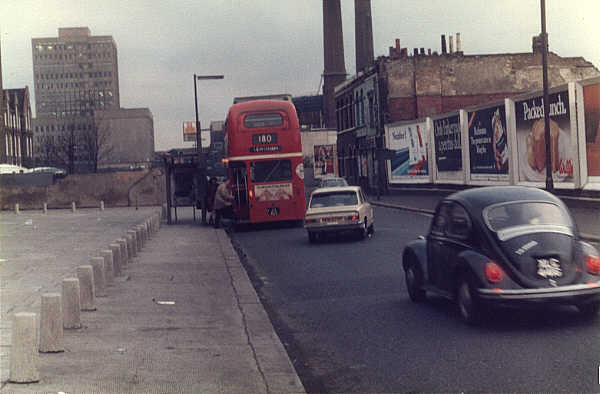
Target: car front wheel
x=468 y=304
x=414 y=283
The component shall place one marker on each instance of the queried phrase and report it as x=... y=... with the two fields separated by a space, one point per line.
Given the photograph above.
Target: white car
x=12 y=169
x=338 y=209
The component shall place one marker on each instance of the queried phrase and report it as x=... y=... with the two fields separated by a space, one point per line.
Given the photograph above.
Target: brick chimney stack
x=333 y=46
x=363 y=34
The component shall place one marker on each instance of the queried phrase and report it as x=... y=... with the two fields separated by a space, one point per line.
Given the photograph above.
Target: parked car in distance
x=332 y=181
x=12 y=169
x=58 y=172
x=338 y=209
x=503 y=245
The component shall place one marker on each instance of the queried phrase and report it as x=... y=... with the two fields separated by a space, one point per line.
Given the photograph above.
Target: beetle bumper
x=572 y=294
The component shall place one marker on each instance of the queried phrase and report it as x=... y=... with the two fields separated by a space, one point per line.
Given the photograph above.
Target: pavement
x=585 y=210
x=182 y=318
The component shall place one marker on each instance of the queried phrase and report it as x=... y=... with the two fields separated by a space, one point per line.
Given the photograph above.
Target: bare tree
x=96 y=142
x=66 y=148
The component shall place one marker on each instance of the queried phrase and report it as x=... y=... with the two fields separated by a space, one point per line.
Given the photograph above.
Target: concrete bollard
x=17 y=209
x=85 y=273
x=138 y=238
x=73 y=207
x=71 y=303
x=51 y=324
x=23 y=353
x=116 y=253
x=45 y=207
x=102 y=205
x=148 y=223
x=131 y=243
x=142 y=235
x=97 y=264
x=124 y=253
x=109 y=266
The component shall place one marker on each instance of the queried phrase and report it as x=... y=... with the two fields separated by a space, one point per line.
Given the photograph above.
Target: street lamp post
x=549 y=180
x=201 y=160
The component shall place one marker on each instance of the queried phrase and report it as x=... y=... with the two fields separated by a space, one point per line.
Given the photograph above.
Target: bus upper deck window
x=253 y=121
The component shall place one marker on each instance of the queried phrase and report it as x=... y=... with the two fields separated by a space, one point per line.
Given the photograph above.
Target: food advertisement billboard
x=531 y=141
x=325 y=157
x=488 y=143
x=448 y=146
x=591 y=105
x=273 y=192
x=409 y=143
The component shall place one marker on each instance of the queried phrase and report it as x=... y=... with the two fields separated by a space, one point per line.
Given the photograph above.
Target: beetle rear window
x=322 y=200
x=503 y=216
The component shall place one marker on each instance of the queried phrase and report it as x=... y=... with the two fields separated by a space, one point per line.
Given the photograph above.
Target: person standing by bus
x=222 y=205
x=210 y=199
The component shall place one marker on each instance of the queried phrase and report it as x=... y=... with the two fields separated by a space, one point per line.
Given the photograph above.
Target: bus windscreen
x=253 y=121
x=271 y=171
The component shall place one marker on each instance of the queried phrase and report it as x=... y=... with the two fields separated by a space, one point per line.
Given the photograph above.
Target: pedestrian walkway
x=586 y=211
x=182 y=318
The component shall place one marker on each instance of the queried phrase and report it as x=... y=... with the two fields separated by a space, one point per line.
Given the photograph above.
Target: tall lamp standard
x=549 y=180
x=201 y=160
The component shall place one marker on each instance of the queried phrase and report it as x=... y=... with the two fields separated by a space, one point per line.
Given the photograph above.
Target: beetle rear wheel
x=589 y=310
x=414 y=283
x=468 y=304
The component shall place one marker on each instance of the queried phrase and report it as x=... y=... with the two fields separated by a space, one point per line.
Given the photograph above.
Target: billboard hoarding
x=591 y=105
x=189 y=134
x=447 y=142
x=488 y=143
x=324 y=160
x=531 y=141
x=409 y=144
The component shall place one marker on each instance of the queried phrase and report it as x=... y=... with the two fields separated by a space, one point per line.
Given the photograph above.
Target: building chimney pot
x=451 y=43
x=429 y=52
x=404 y=51
x=415 y=51
x=397 y=43
x=443 y=44
x=422 y=51
x=458 y=43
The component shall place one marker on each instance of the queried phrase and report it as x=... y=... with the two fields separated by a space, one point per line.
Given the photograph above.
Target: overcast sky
x=270 y=46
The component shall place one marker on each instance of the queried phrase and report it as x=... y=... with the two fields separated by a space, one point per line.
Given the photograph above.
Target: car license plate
x=273 y=211
x=549 y=268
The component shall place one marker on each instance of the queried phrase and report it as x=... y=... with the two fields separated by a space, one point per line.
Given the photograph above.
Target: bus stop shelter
x=186 y=182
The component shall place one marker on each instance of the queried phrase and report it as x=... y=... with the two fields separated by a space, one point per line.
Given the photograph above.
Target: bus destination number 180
x=264 y=139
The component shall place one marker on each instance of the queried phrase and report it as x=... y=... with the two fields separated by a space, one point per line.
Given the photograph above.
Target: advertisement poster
x=591 y=105
x=531 y=141
x=409 y=143
x=274 y=192
x=446 y=134
x=488 y=143
x=324 y=160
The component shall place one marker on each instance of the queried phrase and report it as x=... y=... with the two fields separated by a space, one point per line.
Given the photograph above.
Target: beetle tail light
x=592 y=264
x=493 y=272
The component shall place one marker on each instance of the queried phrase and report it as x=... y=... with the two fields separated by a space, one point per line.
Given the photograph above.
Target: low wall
x=127 y=188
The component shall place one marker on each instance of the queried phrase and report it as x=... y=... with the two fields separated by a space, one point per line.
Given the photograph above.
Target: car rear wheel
x=364 y=231
x=414 y=282
x=589 y=310
x=467 y=302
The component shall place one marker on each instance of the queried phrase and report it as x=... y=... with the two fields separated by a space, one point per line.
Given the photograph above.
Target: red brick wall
x=403 y=108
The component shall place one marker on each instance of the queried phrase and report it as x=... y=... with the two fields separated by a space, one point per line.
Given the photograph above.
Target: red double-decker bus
x=264 y=153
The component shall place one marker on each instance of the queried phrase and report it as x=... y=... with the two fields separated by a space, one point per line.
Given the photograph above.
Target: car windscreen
x=502 y=216
x=333 y=199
